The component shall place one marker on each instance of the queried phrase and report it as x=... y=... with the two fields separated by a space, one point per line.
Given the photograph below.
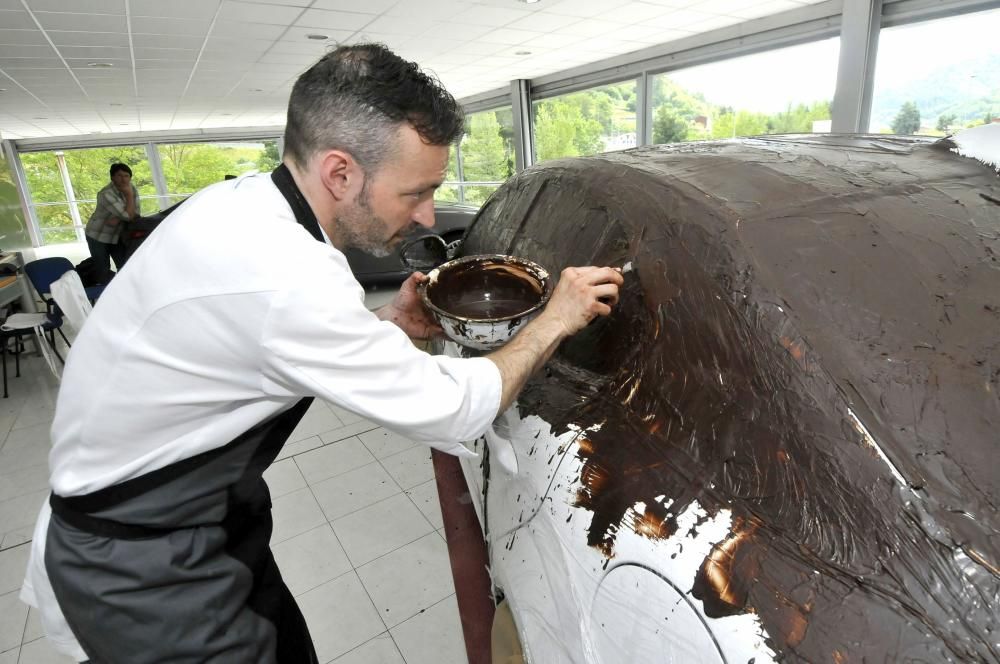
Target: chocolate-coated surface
x=810 y=338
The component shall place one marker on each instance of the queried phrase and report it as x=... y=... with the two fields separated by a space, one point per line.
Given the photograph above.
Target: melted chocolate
x=809 y=340
x=485 y=290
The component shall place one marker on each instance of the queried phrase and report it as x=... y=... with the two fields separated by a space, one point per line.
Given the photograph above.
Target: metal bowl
x=482 y=301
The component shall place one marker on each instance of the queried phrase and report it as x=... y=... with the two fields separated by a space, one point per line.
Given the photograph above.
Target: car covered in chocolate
x=782 y=445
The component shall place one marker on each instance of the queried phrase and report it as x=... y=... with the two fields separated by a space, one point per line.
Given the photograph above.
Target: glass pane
x=89 y=171
x=188 y=167
x=446 y=193
x=488 y=146
x=42 y=173
x=477 y=194
x=939 y=90
x=13 y=225
x=783 y=91
x=587 y=122
x=55 y=223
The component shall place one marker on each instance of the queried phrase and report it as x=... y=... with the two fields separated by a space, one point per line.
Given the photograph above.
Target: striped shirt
x=110 y=203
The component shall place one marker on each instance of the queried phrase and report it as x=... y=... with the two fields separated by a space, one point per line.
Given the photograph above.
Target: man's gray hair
x=356 y=98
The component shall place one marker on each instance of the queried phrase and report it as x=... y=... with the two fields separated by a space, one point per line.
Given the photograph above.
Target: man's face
x=121 y=179
x=395 y=199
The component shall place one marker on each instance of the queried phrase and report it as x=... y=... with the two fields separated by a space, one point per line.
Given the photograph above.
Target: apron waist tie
x=65 y=509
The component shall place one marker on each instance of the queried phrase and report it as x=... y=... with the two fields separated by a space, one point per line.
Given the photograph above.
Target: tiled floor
x=358 y=533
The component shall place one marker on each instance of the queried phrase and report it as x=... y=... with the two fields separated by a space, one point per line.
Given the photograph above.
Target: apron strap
x=283 y=180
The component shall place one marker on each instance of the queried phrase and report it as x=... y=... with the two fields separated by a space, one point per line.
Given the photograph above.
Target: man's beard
x=360 y=228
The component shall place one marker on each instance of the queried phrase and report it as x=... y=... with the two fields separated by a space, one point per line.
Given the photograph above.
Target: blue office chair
x=44 y=271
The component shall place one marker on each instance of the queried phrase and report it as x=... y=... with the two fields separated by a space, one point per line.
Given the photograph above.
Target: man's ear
x=341 y=174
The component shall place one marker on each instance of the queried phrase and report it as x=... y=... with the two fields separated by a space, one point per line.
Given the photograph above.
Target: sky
x=768 y=82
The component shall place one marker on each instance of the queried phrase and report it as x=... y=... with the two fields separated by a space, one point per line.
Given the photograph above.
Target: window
x=188 y=167
x=483 y=160
x=587 y=122
x=783 y=91
x=938 y=76
x=13 y=228
x=63 y=213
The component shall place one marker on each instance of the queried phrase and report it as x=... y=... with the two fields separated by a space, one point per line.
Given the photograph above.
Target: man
x=118 y=202
x=198 y=361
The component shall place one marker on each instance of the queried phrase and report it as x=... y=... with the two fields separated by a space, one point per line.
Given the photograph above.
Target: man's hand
x=408 y=313
x=582 y=294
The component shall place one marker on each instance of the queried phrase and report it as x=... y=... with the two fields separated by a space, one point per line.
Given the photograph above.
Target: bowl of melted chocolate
x=482 y=301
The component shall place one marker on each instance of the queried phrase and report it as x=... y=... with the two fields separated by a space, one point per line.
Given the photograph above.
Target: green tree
x=798 y=119
x=945 y=122
x=562 y=130
x=269 y=158
x=907 y=121
x=667 y=127
x=484 y=157
x=739 y=123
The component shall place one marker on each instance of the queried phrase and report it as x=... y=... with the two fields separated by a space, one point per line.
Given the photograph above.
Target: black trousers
x=103 y=253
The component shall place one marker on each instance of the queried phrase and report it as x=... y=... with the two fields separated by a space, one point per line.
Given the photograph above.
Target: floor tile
x=409 y=580
x=380 y=528
x=21 y=511
x=24 y=481
x=295 y=513
x=384 y=443
x=411 y=467
x=298 y=447
x=380 y=650
x=341 y=495
x=340 y=616
x=432 y=637
x=25 y=447
x=13 y=614
x=425 y=497
x=10 y=656
x=332 y=460
x=283 y=477
x=41 y=652
x=33 y=629
x=346 y=416
x=311 y=559
x=346 y=431
x=33 y=413
x=16 y=537
x=36 y=435
x=13 y=563
x=318 y=418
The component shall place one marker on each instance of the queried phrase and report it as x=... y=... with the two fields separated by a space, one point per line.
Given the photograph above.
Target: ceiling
x=195 y=64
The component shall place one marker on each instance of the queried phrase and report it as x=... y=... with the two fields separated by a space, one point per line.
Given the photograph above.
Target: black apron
x=175 y=565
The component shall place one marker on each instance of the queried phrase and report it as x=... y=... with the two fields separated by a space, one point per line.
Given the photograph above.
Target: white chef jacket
x=227 y=315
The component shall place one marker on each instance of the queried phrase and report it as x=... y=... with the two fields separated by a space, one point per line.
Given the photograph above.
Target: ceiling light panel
x=81 y=22
x=367 y=7
x=16 y=19
x=252 y=12
x=73 y=38
x=321 y=18
x=189 y=9
x=170 y=26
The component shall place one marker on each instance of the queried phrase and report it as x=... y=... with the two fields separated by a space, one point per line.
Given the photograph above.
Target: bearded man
x=200 y=359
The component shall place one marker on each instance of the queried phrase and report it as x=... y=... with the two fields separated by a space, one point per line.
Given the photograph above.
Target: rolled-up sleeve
x=334 y=348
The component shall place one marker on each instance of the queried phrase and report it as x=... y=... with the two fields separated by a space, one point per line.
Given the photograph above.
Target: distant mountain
x=968 y=90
